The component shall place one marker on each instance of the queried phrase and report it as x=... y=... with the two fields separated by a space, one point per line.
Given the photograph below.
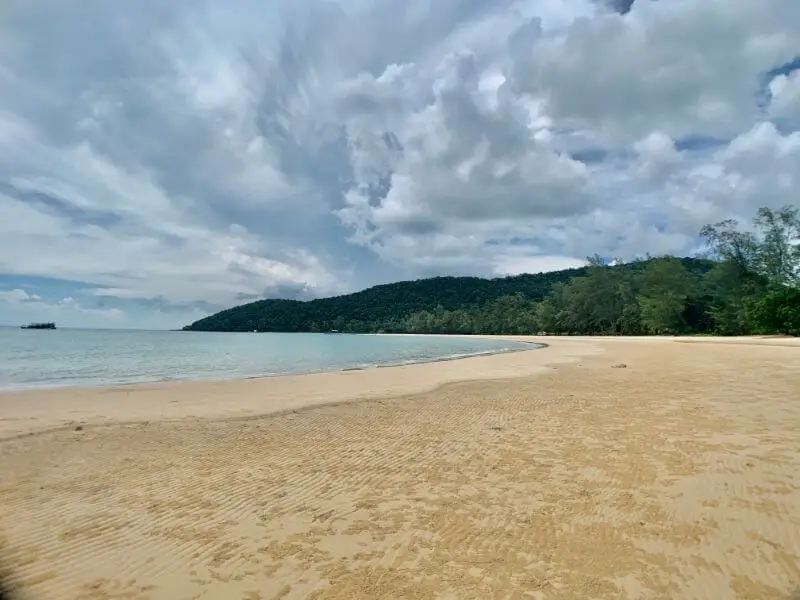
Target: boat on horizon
x=47 y=325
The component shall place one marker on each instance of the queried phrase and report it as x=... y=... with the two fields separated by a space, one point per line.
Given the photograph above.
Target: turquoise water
x=85 y=357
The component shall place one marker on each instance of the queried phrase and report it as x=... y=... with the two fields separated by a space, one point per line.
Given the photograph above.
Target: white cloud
x=184 y=157
x=17 y=296
x=682 y=67
x=482 y=153
x=514 y=265
x=658 y=157
x=23 y=306
x=785 y=95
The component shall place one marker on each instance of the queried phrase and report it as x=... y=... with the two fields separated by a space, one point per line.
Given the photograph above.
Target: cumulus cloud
x=785 y=95
x=180 y=158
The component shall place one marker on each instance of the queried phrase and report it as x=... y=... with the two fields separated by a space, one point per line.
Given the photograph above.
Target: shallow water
x=95 y=357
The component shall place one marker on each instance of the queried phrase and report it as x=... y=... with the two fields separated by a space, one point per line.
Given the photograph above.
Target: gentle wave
x=92 y=358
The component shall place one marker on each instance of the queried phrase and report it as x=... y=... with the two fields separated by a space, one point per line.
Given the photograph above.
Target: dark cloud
x=621 y=6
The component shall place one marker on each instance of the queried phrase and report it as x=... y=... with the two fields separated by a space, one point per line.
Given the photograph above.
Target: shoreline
x=33 y=411
x=776 y=340
x=237 y=377
x=519 y=339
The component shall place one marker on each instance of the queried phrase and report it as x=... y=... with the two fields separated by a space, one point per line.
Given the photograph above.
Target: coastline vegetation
x=748 y=284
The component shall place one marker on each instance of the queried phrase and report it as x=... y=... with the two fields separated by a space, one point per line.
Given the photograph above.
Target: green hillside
x=752 y=286
x=379 y=304
x=386 y=307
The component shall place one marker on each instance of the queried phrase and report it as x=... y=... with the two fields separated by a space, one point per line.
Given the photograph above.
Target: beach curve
x=542 y=474
x=27 y=412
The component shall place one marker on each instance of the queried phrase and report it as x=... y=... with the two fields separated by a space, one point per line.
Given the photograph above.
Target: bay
x=86 y=357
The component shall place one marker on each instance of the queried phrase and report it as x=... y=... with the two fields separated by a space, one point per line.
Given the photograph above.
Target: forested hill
x=751 y=287
x=379 y=304
x=388 y=307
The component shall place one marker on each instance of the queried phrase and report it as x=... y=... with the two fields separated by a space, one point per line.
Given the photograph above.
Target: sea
x=31 y=359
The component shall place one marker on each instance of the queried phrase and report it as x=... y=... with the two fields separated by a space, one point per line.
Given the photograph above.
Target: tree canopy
x=749 y=285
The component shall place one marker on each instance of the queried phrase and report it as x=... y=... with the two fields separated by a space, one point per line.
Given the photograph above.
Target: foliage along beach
x=749 y=285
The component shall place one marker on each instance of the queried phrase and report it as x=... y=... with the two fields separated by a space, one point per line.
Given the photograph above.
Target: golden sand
x=496 y=477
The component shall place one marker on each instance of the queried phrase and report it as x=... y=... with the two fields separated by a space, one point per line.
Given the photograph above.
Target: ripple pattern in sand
x=586 y=482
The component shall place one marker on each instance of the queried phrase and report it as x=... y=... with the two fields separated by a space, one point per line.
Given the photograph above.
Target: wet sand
x=542 y=474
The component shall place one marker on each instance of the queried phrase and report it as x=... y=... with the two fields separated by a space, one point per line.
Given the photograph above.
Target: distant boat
x=48 y=325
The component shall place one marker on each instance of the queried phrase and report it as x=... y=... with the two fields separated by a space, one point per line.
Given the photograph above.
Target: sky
x=160 y=161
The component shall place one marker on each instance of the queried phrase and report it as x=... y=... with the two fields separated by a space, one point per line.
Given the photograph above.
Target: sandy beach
x=545 y=474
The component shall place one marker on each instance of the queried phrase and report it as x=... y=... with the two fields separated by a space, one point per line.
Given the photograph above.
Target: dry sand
x=676 y=477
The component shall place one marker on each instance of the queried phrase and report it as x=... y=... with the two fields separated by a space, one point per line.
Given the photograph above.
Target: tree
x=662 y=314
x=778 y=311
x=665 y=288
x=734 y=280
x=729 y=244
x=546 y=316
x=778 y=256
